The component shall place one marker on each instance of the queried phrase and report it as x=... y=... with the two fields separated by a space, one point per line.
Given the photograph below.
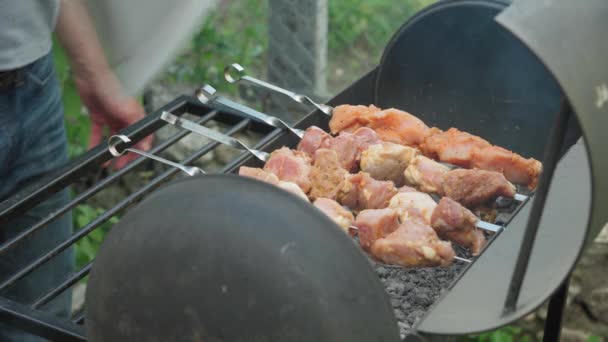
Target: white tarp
x=141 y=36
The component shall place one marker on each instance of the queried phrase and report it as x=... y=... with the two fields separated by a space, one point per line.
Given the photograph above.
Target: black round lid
x=228 y=258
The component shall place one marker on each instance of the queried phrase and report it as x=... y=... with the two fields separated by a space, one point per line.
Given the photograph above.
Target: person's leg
x=34 y=143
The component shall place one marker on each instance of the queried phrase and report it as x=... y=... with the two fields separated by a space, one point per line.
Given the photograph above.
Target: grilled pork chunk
x=257 y=173
x=312 y=139
x=413 y=244
x=413 y=206
x=475 y=187
x=268 y=177
x=291 y=166
x=387 y=161
x=342 y=216
x=425 y=174
x=349 y=146
x=327 y=176
x=373 y=224
x=456 y=223
x=361 y=191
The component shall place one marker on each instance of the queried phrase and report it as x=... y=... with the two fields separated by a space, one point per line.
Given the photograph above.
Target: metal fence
x=316 y=47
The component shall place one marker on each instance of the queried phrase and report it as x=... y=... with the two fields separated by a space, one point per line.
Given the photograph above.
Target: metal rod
x=489 y=226
x=467 y=261
x=235 y=73
x=40 y=323
x=79 y=318
x=207 y=93
x=550 y=160
x=134 y=197
x=71 y=280
x=116 y=140
x=555 y=313
x=211 y=134
x=8 y=245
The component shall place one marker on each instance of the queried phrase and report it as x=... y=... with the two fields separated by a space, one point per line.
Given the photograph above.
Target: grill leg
x=557 y=303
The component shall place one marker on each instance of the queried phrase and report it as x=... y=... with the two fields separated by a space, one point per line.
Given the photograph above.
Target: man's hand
x=99 y=88
x=109 y=108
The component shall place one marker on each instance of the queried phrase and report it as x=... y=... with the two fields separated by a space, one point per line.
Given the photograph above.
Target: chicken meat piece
x=327 y=176
x=366 y=137
x=472 y=188
x=516 y=168
x=257 y=173
x=469 y=151
x=413 y=206
x=452 y=146
x=342 y=216
x=312 y=139
x=291 y=166
x=413 y=244
x=387 y=161
x=396 y=126
x=455 y=223
x=361 y=191
x=425 y=174
x=347 y=117
x=271 y=178
x=374 y=224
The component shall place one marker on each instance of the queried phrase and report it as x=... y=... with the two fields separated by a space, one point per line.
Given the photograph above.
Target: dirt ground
x=586 y=315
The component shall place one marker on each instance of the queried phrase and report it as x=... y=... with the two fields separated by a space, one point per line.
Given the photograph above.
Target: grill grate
x=32 y=316
x=50 y=326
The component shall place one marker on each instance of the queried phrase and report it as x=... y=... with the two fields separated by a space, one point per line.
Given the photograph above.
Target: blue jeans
x=32 y=143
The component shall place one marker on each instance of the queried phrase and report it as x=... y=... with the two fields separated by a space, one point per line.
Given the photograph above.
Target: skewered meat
x=475 y=187
x=516 y=168
x=268 y=177
x=387 y=161
x=452 y=146
x=293 y=188
x=406 y=188
x=257 y=173
x=327 y=175
x=456 y=223
x=312 y=139
x=413 y=206
x=413 y=244
x=373 y=224
x=396 y=126
x=349 y=146
x=425 y=174
x=343 y=217
x=361 y=191
x=291 y=166
x=347 y=118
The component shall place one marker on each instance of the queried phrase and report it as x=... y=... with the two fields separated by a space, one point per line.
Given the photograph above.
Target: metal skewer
x=235 y=73
x=462 y=259
x=207 y=94
x=116 y=140
x=211 y=134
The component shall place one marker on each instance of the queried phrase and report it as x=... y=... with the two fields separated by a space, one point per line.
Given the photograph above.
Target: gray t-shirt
x=26 y=28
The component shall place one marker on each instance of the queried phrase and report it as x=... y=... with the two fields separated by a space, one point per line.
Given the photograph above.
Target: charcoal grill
x=504 y=74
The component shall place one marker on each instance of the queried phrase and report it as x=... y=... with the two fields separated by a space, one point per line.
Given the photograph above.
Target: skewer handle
x=116 y=140
x=207 y=94
x=239 y=74
x=211 y=134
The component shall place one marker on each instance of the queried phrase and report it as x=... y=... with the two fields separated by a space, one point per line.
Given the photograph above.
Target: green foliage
x=77 y=124
x=505 y=334
x=87 y=247
x=594 y=338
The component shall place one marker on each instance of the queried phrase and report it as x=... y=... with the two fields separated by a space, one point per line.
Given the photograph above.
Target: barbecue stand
x=514 y=75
